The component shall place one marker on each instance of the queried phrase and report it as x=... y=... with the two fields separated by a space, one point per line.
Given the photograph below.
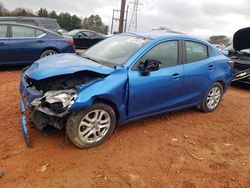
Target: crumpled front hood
x=241 y=39
x=61 y=64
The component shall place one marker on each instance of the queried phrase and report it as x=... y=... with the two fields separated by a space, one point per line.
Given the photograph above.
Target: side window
x=196 y=51
x=166 y=53
x=39 y=32
x=3 y=31
x=81 y=34
x=20 y=31
x=88 y=34
x=28 y=22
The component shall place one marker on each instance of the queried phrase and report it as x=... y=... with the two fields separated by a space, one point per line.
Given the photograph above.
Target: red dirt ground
x=183 y=149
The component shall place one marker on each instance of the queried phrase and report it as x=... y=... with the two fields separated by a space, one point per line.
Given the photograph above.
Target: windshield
x=115 y=50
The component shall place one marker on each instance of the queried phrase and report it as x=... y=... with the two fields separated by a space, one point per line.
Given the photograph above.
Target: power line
x=134 y=16
x=150 y=6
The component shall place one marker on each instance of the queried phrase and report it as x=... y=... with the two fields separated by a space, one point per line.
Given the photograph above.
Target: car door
x=26 y=44
x=94 y=38
x=4 y=44
x=159 y=90
x=81 y=40
x=90 y=39
x=198 y=67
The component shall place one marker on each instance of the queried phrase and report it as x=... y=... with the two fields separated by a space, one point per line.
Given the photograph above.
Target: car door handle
x=176 y=76
x=2 y=44
x=211 y=67
x=40 y=41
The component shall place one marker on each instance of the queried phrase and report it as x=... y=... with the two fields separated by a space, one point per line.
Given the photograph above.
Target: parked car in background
x=84 y=39
x=24 y=44
x=228 y=50
x=63 y=31
x=45 y=23
x=241 y=55
x=120 y=79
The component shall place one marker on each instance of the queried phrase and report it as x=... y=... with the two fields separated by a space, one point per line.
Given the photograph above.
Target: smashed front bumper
x=24 y=123
x=46 y=108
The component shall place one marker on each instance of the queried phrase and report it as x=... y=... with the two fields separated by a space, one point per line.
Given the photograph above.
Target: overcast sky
x=196 y=17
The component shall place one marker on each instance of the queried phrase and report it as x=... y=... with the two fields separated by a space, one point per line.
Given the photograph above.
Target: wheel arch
x=110 y=103
x=50 y=48
x=223 y=84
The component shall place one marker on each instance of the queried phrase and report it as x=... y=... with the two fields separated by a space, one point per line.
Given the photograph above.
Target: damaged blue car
x=123 y=78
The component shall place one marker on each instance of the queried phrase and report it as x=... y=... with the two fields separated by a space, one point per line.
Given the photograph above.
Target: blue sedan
x=24 y=44
x=123 y=78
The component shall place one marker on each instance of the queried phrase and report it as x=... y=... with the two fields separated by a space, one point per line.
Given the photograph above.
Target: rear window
x=20 y=31
x=49 y=24
x=3 y=31
x=88 y=34
x=196 y=51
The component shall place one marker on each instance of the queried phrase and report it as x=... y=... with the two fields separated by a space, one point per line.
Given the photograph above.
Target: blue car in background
x=123 y=78
x=24 y=44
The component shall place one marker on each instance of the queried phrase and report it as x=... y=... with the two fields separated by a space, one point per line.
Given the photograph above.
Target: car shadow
x=241 y=86
x=12 y=67
x=166 y=116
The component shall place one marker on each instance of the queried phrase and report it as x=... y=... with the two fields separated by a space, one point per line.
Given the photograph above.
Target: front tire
x=212 y=98
x=91 y=126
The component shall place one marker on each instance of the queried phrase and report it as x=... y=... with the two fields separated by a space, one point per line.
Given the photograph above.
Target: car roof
x=26 y=18
x=26 y=25
x=83 y=30
x=155 y=35
x=169 y=35
x=13 y=23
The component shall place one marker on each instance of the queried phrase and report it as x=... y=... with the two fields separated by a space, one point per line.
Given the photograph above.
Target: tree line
x=64 y=19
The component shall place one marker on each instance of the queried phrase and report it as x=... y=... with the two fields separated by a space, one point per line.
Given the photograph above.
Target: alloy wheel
x=94 y=126
x=213 y=97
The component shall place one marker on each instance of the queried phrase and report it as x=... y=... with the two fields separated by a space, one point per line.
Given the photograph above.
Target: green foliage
x=94 y=22
x=65 y=20
x=53 y=14
x=219 y=39
x=21 y=12
x=43 y=12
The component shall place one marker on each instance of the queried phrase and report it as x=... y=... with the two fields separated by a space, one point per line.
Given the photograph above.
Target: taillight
x=231 y=63
x=70 y=41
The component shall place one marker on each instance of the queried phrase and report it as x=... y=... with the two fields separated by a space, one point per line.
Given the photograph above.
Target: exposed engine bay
x=62 y=82
x=58 y=93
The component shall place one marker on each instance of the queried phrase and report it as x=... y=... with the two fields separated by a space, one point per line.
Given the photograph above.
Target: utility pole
x=122 y=12
x=116 y=18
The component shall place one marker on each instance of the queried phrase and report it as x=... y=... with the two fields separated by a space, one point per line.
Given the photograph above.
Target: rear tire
x=212 y=98
x=48 y=53
x=91 y=126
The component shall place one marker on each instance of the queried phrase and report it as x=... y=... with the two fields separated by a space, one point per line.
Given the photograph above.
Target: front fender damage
x=59 y=94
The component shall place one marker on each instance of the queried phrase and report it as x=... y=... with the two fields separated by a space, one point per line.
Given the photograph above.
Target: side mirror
x=149 y=66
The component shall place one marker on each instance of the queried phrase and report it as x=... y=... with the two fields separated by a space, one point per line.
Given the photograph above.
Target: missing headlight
x=55 y=102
